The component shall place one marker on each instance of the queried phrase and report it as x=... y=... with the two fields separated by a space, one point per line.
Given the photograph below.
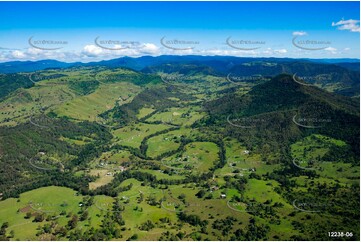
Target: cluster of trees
x=169 y=236
x=254 y=232
x=3 y=232
x=148 y=225
x=237 y=182
x=224 y=225
x=84 y=87
x=192 y=219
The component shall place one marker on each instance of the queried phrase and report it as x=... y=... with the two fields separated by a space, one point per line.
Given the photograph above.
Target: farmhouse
x=214 y=188
x=223 y=196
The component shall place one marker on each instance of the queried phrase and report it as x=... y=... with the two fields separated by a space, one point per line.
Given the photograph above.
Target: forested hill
x=281 y=110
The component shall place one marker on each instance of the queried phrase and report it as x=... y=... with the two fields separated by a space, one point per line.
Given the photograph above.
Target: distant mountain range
x=340 y=76
x=218 y=62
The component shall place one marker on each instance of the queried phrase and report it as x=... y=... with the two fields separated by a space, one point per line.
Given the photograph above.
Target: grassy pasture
x=178 y=116
x=133 y=135
x=197 y=156
x=104 y=98
x=160 y=144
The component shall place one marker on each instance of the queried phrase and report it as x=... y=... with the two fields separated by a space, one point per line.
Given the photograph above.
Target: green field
x=177 y=116
x=104 y=98
x=49 y=200
x=197 y=156
x=133 y=135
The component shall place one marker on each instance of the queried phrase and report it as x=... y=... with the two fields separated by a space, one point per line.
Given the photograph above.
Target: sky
x=92 y=31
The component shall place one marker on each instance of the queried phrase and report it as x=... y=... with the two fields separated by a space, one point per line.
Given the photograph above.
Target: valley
x=177 y=151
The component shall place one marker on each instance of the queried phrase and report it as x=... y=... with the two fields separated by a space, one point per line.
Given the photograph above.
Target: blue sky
x=277 y=29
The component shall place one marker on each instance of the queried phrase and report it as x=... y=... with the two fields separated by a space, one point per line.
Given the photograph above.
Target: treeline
x=113 y=188
x=51 y=178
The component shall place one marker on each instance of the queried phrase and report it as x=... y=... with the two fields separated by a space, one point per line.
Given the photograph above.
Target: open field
x=197 y=156
x=169 y=141
x=133 y=135
x=177 y=116
x=104 y=98
x=105 y=176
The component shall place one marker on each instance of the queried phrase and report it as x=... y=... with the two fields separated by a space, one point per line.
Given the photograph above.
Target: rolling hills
x=160 y=148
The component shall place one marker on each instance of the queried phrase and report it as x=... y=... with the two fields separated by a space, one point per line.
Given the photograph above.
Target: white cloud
x=299 y=33
x=37 y=54
x=281 y=51
x=136 y=50
x=150 y=48
x=17 y=54
x=35 y=51
x=240 y=53
x=331 y=50
x=92 y=50
x=351 y=25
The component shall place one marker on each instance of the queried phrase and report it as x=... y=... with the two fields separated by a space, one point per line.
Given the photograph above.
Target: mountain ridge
x=25 y=66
